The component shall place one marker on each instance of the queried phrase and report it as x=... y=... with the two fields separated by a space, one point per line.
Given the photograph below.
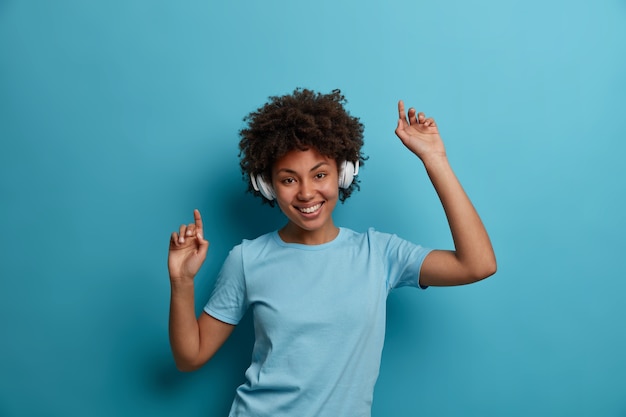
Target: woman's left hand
x=419 y=133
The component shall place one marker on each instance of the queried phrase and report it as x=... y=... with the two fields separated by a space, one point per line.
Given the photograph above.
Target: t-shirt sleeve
x=228 y=301
x=403 y=260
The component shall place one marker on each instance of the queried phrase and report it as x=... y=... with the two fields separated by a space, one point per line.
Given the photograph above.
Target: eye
x=320 y=175
x=289 y=180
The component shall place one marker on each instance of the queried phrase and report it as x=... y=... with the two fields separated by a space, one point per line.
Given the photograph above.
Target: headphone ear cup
x=347 y=172
x=260 y=185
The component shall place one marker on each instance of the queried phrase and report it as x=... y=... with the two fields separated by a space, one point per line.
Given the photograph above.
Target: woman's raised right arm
x=193 y=340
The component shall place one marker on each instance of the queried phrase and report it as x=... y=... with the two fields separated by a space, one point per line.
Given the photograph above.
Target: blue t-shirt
x=319 y=319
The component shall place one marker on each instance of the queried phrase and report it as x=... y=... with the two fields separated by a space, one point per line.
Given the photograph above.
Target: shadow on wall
x=246 y=216
x=243 y=216
x=137 y=364
x=220 y=376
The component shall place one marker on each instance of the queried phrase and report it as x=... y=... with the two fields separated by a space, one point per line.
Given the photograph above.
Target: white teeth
x=311 y=209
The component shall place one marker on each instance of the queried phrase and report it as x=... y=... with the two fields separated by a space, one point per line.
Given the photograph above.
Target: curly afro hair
x=301 y=120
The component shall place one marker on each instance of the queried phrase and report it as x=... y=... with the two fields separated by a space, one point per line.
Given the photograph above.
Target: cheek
x=284 y=198
x=330 y=191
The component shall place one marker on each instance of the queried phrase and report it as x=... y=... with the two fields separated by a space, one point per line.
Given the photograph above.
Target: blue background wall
x=118 y=118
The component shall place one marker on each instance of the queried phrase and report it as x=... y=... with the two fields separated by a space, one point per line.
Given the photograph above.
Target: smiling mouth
x=312 y=209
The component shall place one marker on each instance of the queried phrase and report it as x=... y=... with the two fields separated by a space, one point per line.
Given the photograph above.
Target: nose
x=306 y=191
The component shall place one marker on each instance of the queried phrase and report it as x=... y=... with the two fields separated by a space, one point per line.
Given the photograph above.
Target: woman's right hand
x=187 y=251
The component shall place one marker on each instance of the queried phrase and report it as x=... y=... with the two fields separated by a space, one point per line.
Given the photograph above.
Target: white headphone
x=347 y=171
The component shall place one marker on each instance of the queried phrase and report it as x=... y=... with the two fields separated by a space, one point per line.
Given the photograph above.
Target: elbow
x=493 y=266
x=484 y=270
x=184 y=365
x=490 y=270
x=478 y=270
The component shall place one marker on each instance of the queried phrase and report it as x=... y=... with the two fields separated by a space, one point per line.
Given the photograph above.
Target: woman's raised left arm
x=473 y=258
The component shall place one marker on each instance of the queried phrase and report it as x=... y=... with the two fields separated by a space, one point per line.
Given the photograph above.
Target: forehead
x=299 y=160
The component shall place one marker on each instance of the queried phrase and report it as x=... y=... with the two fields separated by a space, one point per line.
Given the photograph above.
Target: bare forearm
x=183 y=326
x=473 y=248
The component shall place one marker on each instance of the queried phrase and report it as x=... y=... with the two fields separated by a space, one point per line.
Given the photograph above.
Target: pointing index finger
x=198 y=220
x=401 y=113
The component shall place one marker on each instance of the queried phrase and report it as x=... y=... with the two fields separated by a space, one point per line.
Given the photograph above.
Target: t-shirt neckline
x=303 y=246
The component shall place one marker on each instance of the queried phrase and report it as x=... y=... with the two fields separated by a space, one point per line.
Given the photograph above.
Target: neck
x=292 y=234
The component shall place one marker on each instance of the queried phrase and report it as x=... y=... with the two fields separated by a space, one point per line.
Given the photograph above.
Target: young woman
x=317 y=291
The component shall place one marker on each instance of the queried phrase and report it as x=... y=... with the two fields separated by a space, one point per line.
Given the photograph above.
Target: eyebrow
x=290 y=171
